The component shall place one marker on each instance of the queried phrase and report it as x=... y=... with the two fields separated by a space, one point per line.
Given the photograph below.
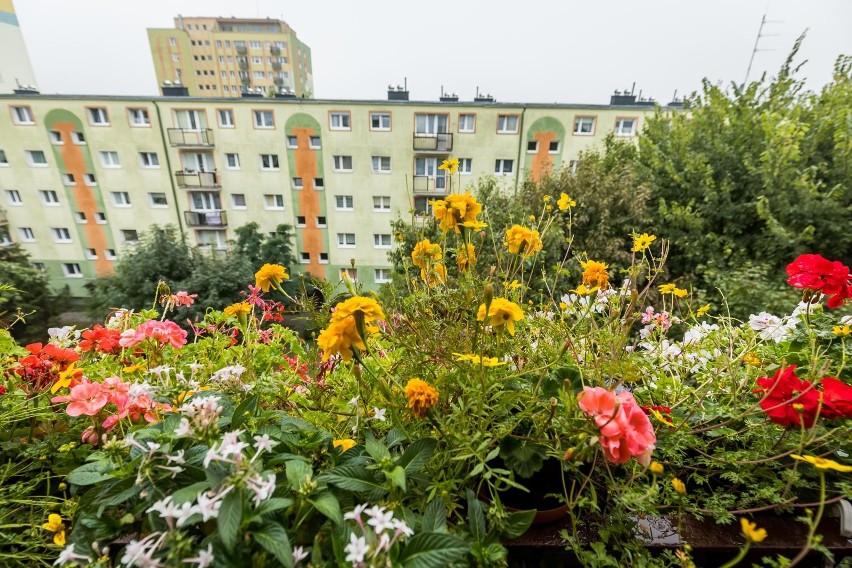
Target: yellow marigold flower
x=595 y=274
x=270 y=275
x=842 y=331
x=678 y=486
x=240 y=308
x=345 y=443
x=656 y=468
x=456 y=209
x=370 y=309
x=502 y=312
x=702 y=310
x=421 y=396
x=667 y=288
x=341 y=337
x=548 y=208
x=751 y=359
x=751 y=532
x=642 y=242
x=474 y=225
x=565 y=202
x=425 y=253
x=523 y=241
x=451 y=165
x=822 y=463
x=466 y=257
x=436 y=275
x=55 y=525
x=680 y=292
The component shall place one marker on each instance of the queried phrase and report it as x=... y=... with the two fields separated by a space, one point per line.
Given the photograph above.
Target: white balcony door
x=430 y=124
x=429 y=167
x=190 y=119
x=197 y=161
x=205 y=201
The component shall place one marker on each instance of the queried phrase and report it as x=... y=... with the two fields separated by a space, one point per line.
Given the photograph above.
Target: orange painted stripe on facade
x=542 y=161
x=309 y=204
x=75 y=164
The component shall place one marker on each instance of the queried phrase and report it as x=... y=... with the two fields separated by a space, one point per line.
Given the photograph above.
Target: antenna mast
x=760 y=34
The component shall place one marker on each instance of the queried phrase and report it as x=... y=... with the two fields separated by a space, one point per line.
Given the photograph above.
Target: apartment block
x=224 y=57
x=81 y=177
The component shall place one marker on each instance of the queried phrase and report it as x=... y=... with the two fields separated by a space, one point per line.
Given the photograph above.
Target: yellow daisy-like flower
x=842 y=330
x=55 y=525
x=501 y=312
x=702 y=310
x=466 y=257
x=368 y=307
x=345 y=444
x=546 y=198
x=563 y=306
x=436 y=275
x=751 y=359
x=666 y=288
x=642 y=242
x=679 y=486
x=751 y=532
x=514 y=285
x=595 y=274
x=656 y=468
x=421 y=396
x=425 y=253
x=523 y=241
x=822 y=463
x=270 y=276
x=477 y=360
x=133 y=368
x=565 y=202
x=456 y=209
x=474 y=225
x=451 y=165
x=584 y=290
x=64 y=380
x=240 y=308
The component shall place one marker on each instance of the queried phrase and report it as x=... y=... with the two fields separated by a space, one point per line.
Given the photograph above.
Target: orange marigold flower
x=523 y=241
x=595 y=274
x=466 y=257
x=270 y=275
x=341 y=337
x=501 y=312
x=425 y=253
x=421 y=396
x=436 y=274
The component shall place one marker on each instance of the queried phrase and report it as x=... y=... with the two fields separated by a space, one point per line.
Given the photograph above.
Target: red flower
x=814 y=272
x=836 y=399
x=789 y=400
x=40 y=368
x=102 y=339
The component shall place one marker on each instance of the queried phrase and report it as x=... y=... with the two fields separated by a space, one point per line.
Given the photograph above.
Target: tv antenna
x=760 y=34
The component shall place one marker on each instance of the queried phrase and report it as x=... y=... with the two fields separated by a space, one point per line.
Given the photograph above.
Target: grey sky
x=532 y=51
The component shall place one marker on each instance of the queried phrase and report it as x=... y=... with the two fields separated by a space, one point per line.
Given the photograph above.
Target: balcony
x=276 y=65
x=201 y=138
x=430 y=185
x=192 y=179
x=216 y=218
x=442 y=142
x=275 y=50
x=241 y=49
x=243 y=63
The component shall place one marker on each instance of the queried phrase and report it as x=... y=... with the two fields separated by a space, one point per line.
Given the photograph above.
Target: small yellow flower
x=270 y=276
x=667 y=288
x=532 y=218
x=751 y=359
x=514 y=285
x=451 y=165
x=678 y=486
x=425 y=252
x=477 y=360
x=65 y=377
x=659 y=416
x=751 y=532
x=421 y=396
x=656 y=468
x=466 y=257
x=238 y=309
x=642 y=242
x=345 y=443
x=565 y=202
x=55 y=525
x=546 y=198
x=523 y=241
x=563 y=306
x=501 y=312
x=583 y=290
x=548 y=208
x=133 y=368
x=822 y=463
x=702 y=310
x=474 y=225
x=842 y=331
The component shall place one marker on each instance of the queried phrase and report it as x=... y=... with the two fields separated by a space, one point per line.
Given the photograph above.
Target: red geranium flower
x=815 y=272
x=789 y=400
x=836 y=398
x=102 y=339
x=41 y=367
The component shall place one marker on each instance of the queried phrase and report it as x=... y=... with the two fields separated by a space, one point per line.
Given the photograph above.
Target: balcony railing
x=275 y=50
x=276 y=65
x=241 y=49
x=430 y=185
x=208 y=180
x=243 y=63
x=217 y=218
x=440 y=142
x=184 y=137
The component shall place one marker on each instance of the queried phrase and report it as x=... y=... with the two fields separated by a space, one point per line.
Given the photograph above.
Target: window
x=382 y=275
x=68 y=179
x=343 y=202
x=264 y=119
x=56 y=138
x=467 y=123
x=257 y=60
x=319 y=184
x=507 y=124
x=138 y=117
x=343 y=163
x=321 y=221
x=273 y=201
x=297 y=183
x=304 y=257
x=173 y=42
x=382 y=240
x=61 y=234
x=584 y=125
x=89 y=179
x=625 y=126
x=98 y=116
x=554 y=147
x=430 y=124
x=532 y=146
x=157 y=200
x=349 y=274
x=315 y=143
x=80 y=217
x=292 y=142
x=300 y=221
x=339 y=121
x=129 y=236
x=71 y=270
x=78 y=138
x=232 y=161
x=91 y=254
x=3 y=161
x=572 y=166
x=238 y=200
x=269 y=161
x=503 y=167
x=22 y=115
x=149 y=159
x=346 y=240
x=323 y=258
x=109 y=254
x=36 y=158
x=27 y=234
x=226 y=117
x=120 y=198
x=13 y=196
x=39 y=265
x=381 y=164
x=381 y=203
x=254 y=44
x=380 y=121
x=466 y=166
x=100 y=218
x=49 y=197
x=109 y=159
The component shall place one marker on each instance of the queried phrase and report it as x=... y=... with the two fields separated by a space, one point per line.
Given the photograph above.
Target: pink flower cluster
x=624 y=428
x=161 y=331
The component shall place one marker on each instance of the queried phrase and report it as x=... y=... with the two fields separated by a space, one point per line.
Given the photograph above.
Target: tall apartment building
x=224 y=57
x=81 y=177
x=15 y=68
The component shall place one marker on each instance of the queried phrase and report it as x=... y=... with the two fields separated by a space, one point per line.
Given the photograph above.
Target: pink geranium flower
x=625 y=430
x=161 y=331
x=85 y=398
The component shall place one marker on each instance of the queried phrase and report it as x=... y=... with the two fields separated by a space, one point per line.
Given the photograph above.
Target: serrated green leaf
x=273 y=538
x=432 y=550
x=272 y=505
x=230 y=516
x=376 y=449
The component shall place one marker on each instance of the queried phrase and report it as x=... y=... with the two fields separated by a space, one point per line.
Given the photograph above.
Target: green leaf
x=376 y=449
x=230 y=516
x=91 y=473
x=435 y=517
x=327 y=504
x=518 y=523
x=273 y=538
x=298 y=473
x=248 y=405
x=522 y=456
x=432 y=550
x=118 y=492
x=190 y=492
x=352 y=477
x=395 y=437
x=397 y=477
x=477 y=518
x=417 y=454
x=272 y=505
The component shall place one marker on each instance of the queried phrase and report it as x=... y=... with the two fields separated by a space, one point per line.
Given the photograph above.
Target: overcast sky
x=520 y=51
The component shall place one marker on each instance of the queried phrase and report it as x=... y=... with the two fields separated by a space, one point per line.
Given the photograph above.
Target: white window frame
x=319 y=184
x=304 y=257
x=469 y=128
x=153 y=204
x=619 y=126
x=260 y=119
x=98 y=116
x=274 y=163
x=80 y=217
x=297 y=183
x=56 y=138
x=78 y=138
x=345 y=198
x=316 y=146
x=534 y=150
x=276 y=200
x=292 y=142
x=500 y=167
x=30 y=154
x=235 y=205
x=72 y=270
x=232 y=161
x=109 y=159
x=581 y=122
x=100 y=218
x=120 y=199
x=13 y=196
x=27 y=234
x=222 y=113
x=558 y=147
x=380 y=116
x=379 y=240
x=381 y=204
x=339 y=162
x=69 y=179
x=504 y=121
x=49 y=197
x=22 y=115
x=139 y=117
x=340 y=120
x=61 y=235
x=321 y=221
x=4 y=161
x=466 y=166
x=378 y=163
x=322 y=258
x=379 y=275
x=109 y=254
x=91 y=254
x=343 y=240
x=149 y=160
x=90 y=179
